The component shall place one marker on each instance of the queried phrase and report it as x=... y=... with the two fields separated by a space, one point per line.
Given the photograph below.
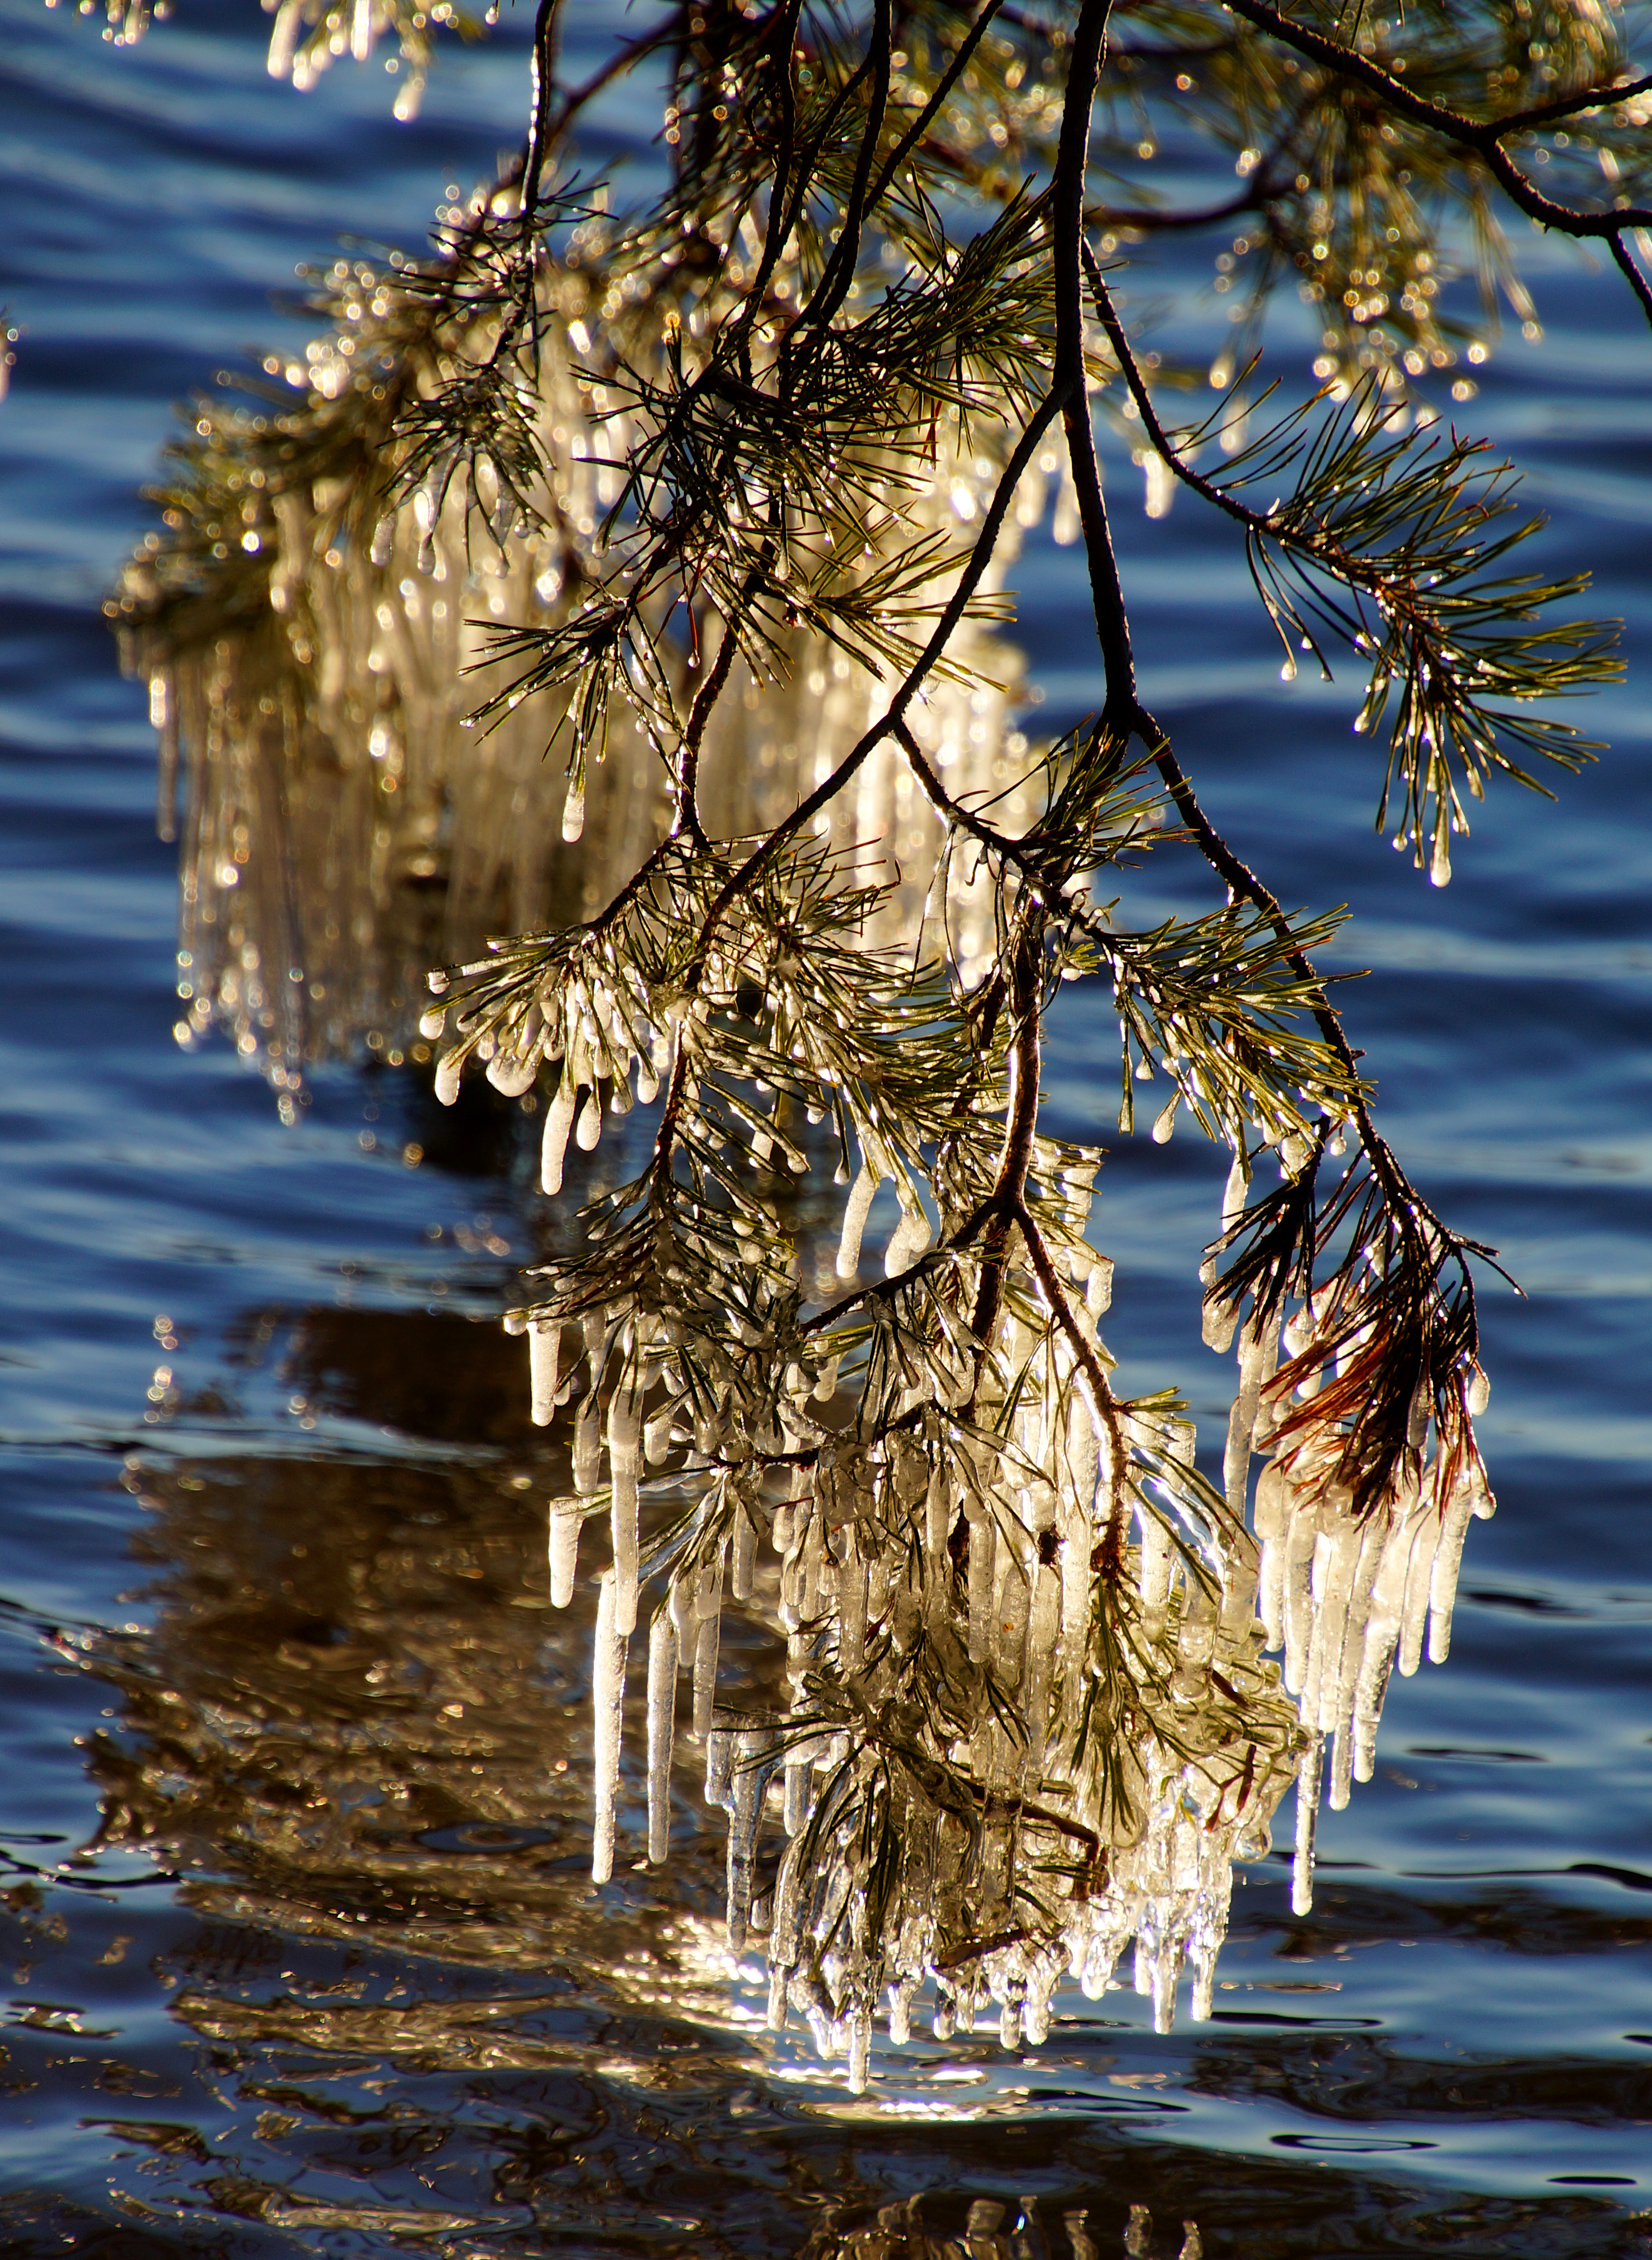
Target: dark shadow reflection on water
x=398 y=2016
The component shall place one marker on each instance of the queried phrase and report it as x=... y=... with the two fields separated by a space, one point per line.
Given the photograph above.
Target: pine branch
x=1404 y=528
x=728 y=436
x=1484 y=136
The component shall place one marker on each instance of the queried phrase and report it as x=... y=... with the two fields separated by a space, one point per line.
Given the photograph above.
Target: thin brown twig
x=1019 y=1124
x=1635 y=279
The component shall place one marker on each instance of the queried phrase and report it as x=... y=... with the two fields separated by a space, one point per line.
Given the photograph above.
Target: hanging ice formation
x=1347 y=1583
x=1029 y=1719
x=1032 y=1722
x=344 y=826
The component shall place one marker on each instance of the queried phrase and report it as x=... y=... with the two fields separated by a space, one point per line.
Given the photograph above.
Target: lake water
x=272 y=1531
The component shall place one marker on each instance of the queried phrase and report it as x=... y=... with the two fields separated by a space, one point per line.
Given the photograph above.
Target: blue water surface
x=244 y=1579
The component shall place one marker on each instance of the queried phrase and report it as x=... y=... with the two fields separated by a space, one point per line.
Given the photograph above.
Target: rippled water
x=301 y=1952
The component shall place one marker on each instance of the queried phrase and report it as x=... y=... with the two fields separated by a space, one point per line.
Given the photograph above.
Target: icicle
x=564 y=1549
x=680 y=1600
x=1219 y=1319
x=1195 y=1642
x=860 y=2049
x=854 y=1214
x=587 y=1444
x=1240 y=1581
x=1235 y=1190
x=1418 y=1576
x=782 y=1935
x=1272 y=1523
x=1203 y=1988
x=545 y=1344
x=284 y=37
x=1035 y=2012
x=1382 y=1630
x=1339 y=1688
x=907 y=1243
x=1161 y=486
x=510 y=1075
x=1299 y=1593
x=588 y=1129
x=745 y=1554
x=1152 y=1573
x=938 y=1526
x=852 y=1607
x=448 y=1070
x=1332 y=1573
x=1258 y=1355
x=1442 y=1578
x=1011 y=1611
x=799 y=1772
x=607 y=1695
x=709 y=1604
x=983 y=1547
x=623 y=1430
x=719 y=1765
x=744 y=1801
x=900 y=2013
x=656 y=1435
x=662 y=1698
x=1307 y=1815
x=559 y=1120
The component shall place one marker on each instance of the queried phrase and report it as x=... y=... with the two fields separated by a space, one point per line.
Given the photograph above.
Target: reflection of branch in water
x=346 y=1729
x=349 y=1702
x=901 y=2233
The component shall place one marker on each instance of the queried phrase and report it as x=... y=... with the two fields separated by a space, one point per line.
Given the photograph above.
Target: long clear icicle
x=708 y=1612
x=624 y=1429
x=663 y=1701
x=607 y=1699
x=545 y=1341
x=855 y=1211
x=563 y=1548
x=559 y=1120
